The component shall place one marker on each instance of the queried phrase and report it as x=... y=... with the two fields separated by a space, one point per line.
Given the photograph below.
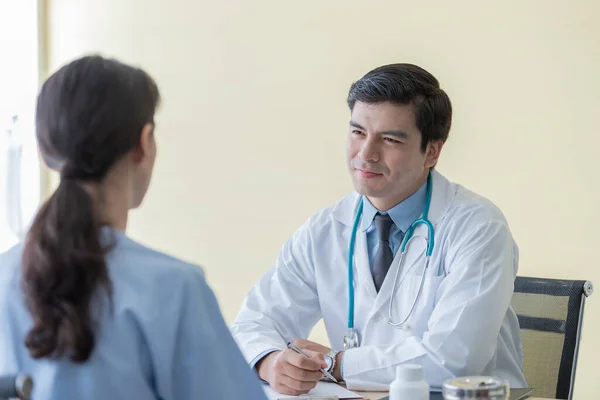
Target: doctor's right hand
x=291 y=373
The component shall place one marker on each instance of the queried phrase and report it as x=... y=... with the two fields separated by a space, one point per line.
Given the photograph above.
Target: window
x=19 y=78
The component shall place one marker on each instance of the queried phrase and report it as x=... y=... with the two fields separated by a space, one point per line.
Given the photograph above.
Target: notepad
x=322 y=389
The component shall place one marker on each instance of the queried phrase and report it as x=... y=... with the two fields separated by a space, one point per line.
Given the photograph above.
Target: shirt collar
x=403 y=214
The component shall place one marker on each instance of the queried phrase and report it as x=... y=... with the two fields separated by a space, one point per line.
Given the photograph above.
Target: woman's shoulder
x=10 y=266
x=134 y=248
x=130 y=258
x=130 y=264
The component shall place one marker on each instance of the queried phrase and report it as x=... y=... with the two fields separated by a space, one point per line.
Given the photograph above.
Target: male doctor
x=452 y=316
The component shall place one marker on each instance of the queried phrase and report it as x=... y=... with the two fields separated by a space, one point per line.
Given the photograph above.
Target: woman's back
x=161 y=336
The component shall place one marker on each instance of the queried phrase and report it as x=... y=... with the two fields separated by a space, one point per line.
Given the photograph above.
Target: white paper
x=322 y=389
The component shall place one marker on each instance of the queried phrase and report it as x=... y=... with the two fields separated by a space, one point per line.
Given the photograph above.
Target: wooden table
x=378 y=395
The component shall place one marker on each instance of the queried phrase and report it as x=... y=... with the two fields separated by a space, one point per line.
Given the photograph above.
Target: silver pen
x=299 y=351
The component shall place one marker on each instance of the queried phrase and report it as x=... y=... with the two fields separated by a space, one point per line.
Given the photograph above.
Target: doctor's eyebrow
x=357 y=125
x=395 y=133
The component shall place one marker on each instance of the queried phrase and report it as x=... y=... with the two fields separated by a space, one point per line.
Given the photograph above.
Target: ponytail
x=63 y=268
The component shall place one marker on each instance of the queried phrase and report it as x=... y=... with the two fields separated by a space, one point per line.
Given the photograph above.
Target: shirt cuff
x=260 y=357
x=342 y=365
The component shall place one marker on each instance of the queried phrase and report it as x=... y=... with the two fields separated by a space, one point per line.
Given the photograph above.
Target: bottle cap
x=409 y=372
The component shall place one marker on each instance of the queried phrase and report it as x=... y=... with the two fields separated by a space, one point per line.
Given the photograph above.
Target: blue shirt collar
x=403 y=214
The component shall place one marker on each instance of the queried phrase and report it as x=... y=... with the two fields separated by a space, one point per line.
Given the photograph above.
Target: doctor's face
x=384 y=153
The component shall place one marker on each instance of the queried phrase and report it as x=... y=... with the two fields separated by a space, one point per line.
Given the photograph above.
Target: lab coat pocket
x=416 y=296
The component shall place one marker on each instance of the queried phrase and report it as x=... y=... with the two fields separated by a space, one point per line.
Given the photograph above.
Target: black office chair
x=550 y=313
x=17 y=386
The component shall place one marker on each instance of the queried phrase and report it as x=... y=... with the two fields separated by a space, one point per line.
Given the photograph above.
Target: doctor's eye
x=389 y=139
x=356 y=132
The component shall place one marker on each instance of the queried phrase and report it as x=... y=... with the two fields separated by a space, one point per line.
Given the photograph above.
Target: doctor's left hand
x=308 y=345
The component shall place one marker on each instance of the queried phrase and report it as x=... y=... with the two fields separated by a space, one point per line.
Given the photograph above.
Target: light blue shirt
x=165 y=338
x=403 y=214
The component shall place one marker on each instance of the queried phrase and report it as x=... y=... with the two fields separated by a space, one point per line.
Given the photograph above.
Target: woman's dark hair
x=89 y=114
x=408 y=84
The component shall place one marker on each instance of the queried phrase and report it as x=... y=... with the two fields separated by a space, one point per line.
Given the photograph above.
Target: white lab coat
x=462 y=323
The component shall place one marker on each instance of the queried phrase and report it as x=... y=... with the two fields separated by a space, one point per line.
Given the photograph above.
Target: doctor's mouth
x=368 y=174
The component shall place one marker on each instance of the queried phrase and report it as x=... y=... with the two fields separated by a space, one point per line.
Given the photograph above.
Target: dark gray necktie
x=383 y=256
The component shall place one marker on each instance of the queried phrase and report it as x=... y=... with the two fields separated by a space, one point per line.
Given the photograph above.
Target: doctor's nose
x=369 y=151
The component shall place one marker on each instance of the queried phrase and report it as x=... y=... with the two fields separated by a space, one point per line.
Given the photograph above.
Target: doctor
x=409 y=268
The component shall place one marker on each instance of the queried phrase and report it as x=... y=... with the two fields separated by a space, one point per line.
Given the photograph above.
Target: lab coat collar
x=442 y=196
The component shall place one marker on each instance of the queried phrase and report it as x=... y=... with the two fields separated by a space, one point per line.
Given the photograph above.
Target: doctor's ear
x=432 y=153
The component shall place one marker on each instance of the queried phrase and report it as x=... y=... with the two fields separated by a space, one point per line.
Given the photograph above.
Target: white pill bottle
x=410 y=384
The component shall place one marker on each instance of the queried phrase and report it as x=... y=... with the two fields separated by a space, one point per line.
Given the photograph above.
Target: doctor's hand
x=291 y=373
x=308 y=345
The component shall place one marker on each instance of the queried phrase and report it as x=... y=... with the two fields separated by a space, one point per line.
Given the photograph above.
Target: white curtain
x=19 y=162
x=13 y=181
x=11 y=203
x=8 y=181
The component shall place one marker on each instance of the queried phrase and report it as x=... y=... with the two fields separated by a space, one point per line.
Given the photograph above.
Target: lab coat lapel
x=361 y=263
x=345 y=212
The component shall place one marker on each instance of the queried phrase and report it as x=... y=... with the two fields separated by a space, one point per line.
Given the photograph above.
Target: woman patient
x=86 y=311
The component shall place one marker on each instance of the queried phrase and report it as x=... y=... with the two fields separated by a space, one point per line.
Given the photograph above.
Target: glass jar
x=476 y=388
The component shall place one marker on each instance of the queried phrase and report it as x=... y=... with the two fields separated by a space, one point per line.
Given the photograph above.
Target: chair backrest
x=550 y=313
x=17 y=386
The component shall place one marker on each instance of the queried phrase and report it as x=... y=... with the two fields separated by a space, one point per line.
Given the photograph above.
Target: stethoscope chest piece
x=351 y=341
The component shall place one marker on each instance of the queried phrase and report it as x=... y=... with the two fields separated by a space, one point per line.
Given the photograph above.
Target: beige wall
x=253 y=125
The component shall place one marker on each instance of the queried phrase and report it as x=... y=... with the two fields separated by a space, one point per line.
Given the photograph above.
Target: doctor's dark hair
x=89 y=114
x=408 y=84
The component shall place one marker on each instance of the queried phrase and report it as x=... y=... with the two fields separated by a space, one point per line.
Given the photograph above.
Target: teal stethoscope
x=351 y=340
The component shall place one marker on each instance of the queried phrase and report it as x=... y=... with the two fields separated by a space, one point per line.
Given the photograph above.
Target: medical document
x=322 y=389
